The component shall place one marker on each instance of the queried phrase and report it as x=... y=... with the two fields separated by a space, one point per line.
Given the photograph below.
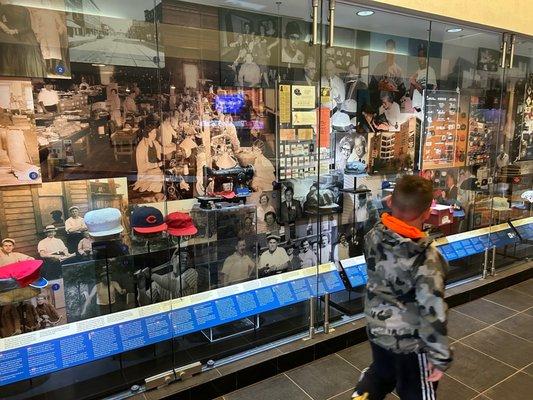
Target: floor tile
x=520 y=325
x=503 y=346
x=511 y=298
x=517 y=387
x=451 y=389
x=359 y=355
x=326 y=377
x=277 y=388
x=477 y=370
x=460 y=325
x=485 y=311
x=525 y=287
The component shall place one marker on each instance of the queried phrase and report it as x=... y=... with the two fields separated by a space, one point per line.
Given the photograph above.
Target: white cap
x=340 y=121
x=103 y=222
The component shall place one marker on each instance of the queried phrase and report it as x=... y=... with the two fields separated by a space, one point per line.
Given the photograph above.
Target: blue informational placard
x=46 y=357
x=68 y=351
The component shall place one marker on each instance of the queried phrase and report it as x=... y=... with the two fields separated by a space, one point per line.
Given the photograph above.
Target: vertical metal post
x=331 y=36
x=327 y=328
x=485 y=264
x=493 y=262
x=503 y=50
x=312 y=318
x=314 y=16
x=511 y=50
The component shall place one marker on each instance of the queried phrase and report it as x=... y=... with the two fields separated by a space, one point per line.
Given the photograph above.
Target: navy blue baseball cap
x=147 y=220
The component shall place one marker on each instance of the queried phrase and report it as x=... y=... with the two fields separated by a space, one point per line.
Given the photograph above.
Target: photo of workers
x=40 y=51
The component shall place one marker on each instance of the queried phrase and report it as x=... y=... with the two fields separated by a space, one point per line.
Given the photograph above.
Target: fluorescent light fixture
x=98 y=65
x=365 y=13
x=454 y=30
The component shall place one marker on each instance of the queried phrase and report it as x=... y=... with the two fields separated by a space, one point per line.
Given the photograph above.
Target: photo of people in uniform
x=33 y=39
x=249 y=46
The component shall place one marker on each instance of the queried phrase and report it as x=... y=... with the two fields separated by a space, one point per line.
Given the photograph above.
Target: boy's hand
x=434 y=374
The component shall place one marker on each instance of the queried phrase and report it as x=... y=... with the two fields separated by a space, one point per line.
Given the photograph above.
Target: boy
x=404 y=303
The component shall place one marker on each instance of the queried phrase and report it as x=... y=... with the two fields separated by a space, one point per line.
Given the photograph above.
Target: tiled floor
x=492 y=339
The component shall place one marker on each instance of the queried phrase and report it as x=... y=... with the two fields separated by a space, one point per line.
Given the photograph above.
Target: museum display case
x=188 y=182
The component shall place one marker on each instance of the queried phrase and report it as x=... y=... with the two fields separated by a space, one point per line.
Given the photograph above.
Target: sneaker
x=355 y=394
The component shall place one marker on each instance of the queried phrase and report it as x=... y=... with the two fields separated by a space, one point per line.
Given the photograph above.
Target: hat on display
x=147 y=220
x=273 y=236
x=355 y=168
x=8 y=240
x=349 y=106
x=227 y=194
x=74 y=208
x=22 y=274
x=104 y=222
x=50 y=228
x=340 y=121
x=527 y=195
x=243 y=191
x=180 y=224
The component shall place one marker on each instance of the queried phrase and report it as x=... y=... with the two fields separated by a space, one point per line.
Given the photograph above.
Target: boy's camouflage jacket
x=404 y=303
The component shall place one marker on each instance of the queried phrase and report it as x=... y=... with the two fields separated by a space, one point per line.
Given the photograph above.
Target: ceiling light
x=365 y=13
x=454 y=30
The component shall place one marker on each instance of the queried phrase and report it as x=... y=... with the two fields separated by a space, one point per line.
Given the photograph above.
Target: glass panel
x=373 y=128
x=240 y=103
x=514 y=159
x=460 y=144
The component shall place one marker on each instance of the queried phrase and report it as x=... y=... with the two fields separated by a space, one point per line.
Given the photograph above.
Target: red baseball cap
x=180 y=224
x=228 y=194
x=25 y=273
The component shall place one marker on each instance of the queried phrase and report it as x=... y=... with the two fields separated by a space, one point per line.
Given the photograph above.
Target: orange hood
x=401 y=228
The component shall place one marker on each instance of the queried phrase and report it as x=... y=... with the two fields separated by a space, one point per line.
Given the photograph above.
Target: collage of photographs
x=129 y=176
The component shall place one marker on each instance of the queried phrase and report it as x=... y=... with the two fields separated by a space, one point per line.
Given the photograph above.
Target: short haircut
x=360 y=138
x=386 y=95
x=289 y=189
x=346 y=140
x=270 y=213
x=412 y=195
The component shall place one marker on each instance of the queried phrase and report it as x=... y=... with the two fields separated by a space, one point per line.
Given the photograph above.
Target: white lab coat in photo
x=149 y=175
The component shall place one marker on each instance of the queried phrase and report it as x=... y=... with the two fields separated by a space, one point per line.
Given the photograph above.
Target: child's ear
x=388 y=201
x=426 y=214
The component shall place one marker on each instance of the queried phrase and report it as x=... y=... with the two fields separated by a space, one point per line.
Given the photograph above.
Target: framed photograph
x=488 y=59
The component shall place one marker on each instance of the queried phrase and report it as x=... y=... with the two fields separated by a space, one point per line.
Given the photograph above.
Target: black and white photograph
x=19 y=155
x=40 y=51
x=324 y=195
x=294 y=42
x=111 y=33
x=35 y=310
x=488 y=60
x=249 y=46
x=351 y=152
